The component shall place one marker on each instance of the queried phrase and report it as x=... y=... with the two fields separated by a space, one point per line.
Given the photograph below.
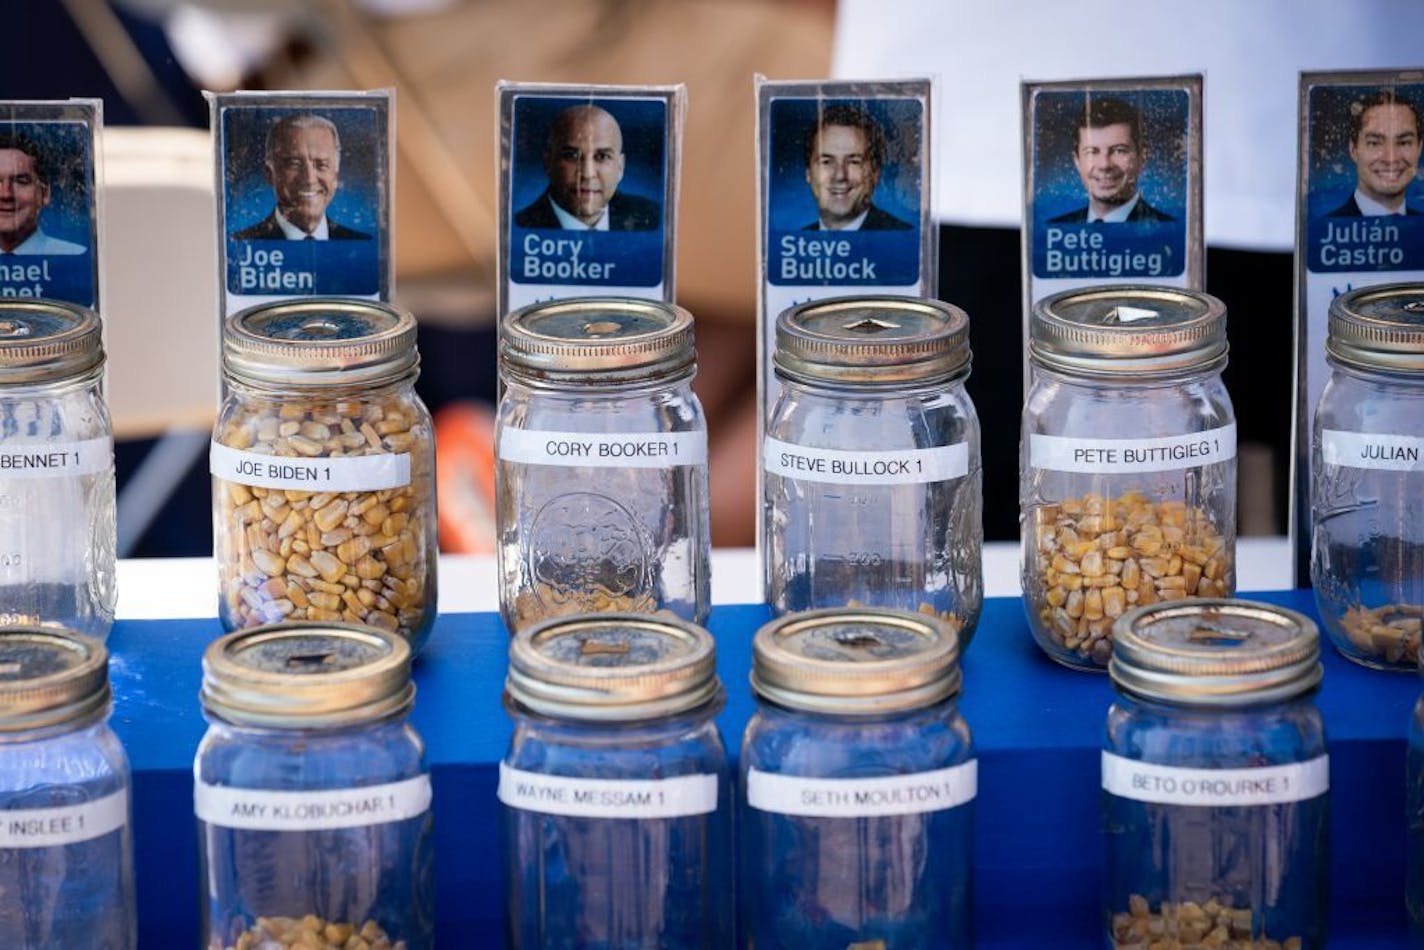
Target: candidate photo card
x=1359 y=222
x=588 y=191
x=304 y=196
x=1112 y=189
x=49 y=213
x=844 y=197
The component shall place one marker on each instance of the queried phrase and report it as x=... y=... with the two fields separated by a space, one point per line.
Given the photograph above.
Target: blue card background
x=69 y=215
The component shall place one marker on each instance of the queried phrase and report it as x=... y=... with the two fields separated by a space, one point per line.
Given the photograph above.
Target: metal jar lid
x=50 y=676
x=44 y=341
x=1379 y=328
x=874 y=340
x=613 y=667
x=304 y=676
x=858 y=661
x=319 y=342
x=597 y=341
x=1215 y=652
x=1128 y=331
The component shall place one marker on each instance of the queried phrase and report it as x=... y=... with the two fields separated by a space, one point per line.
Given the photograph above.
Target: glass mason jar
x=1367 y=480
x=858 y=777
x=66 y=849
x=1215 y=779
x=323 y=465
x=58 y=530
x=1414 y=804
x=1127 y=466
x=616 y=791
x=312 y=792
x=873 y=491
x=601 y=469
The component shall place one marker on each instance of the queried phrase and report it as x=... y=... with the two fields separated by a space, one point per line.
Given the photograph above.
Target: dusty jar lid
x=874 y=340
x=614 y=667
x=50 y=676
x=1215 y=652
x=304 y=676
x=597 y=341
x=319 y=342
x=857 y=661
x=1379 y=328
x=1128 y=331
x=43 y=341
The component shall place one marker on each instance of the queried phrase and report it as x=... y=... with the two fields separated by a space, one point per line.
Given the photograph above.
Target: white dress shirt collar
x=569 y=223
x=1118 y=214
x=294 y=233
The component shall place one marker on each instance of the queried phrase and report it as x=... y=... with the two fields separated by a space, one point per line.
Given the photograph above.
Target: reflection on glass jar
x=858 y=777
x=617 y=798
x=323 y=465
x=601 y=471
x=1215 y=779
x=1367 y=480
x=1127 y=470
x=312 y=793
x=66 y=849
x=872 y=482
x=57 y=515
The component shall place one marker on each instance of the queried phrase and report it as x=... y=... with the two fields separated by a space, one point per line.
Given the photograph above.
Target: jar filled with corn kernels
x=601 y=463
x=1367 y=559
x=1127 y=465
x=872 y=485
x=323 y=468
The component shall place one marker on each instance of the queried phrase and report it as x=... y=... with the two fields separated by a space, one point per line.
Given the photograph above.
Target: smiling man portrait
x=844 y=158
x=1384 y=146
x=1109 y=155
x=24 y=193
x=303 y=166
x=584 y=161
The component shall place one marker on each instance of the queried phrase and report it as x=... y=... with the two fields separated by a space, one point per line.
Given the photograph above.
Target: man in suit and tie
x=1385 y=146
x=843 y=161
x=584 y=162
x=303 y=166
x=1109 y=154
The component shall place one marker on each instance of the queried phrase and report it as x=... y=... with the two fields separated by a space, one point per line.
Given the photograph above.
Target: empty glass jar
x=66 y=849
x=601 y=471
x=57 y=516
x=1127 y=490
x=617 y=798
x=872 y=487
x=1367 y=477
x=312 y=792
x=858 y=777
x=323 y=466
x=1215 y=779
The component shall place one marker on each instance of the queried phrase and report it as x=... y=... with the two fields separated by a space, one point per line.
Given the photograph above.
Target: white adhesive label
x=1391 y=453
x=677 y=797
x=357 y=473
x=1169 y=785
x=911 y=794
x=56 y=459
x=68 y=824
x=878 y=467
x=604 y=449
x=1057 y=453
x=251 y=809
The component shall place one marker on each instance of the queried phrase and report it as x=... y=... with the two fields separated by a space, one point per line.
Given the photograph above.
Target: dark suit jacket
x=1142 y=211
x=1351 y=209
x=876 y=219
x=269 y=230
x=625 y=213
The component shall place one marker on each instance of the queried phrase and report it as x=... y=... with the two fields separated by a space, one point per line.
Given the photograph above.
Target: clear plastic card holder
x=1359 y=222
x=50 y=157
x=1112 y=185
x=304 y=185
x=588 y=186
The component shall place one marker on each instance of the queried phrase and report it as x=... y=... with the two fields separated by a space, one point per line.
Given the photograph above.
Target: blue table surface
x=1037 y=729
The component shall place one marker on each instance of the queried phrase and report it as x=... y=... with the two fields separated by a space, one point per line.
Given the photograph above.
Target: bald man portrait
x=584 y=161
